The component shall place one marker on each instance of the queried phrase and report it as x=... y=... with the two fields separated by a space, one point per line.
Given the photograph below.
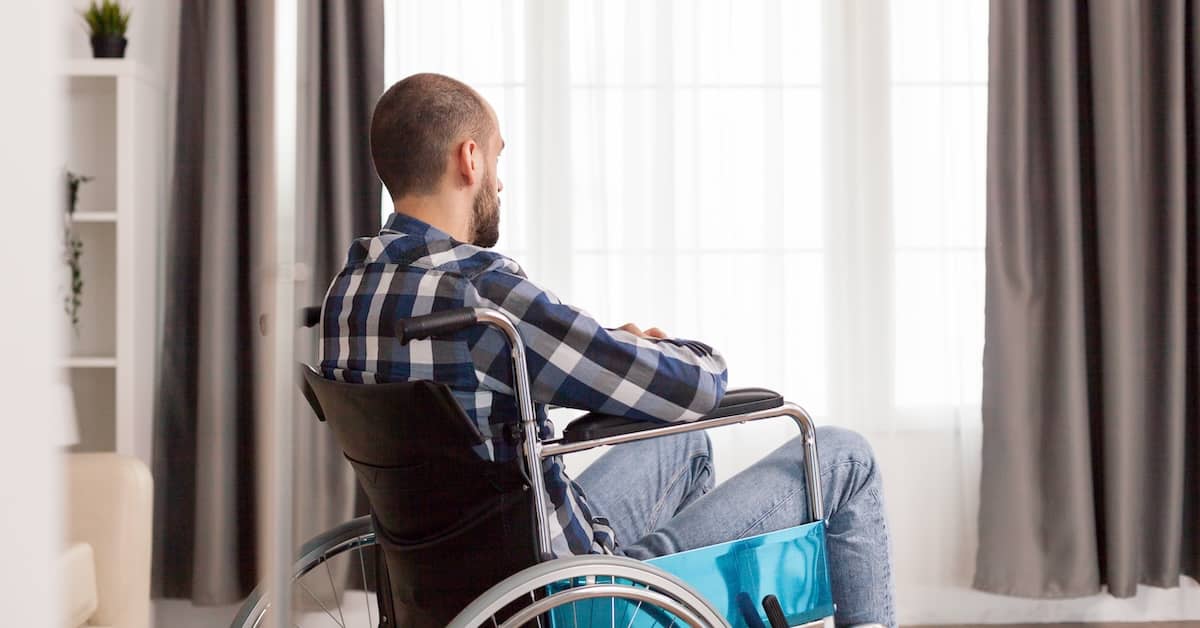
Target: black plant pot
x=108 y=46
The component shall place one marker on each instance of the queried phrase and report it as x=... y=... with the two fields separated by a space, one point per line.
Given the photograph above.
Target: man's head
x=435 y=142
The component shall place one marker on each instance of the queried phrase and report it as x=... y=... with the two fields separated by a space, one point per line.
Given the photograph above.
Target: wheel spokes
x=319 y=603
x=337 y=599
x=362 y=568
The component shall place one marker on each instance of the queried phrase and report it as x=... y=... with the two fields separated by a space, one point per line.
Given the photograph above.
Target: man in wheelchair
x=435 y=144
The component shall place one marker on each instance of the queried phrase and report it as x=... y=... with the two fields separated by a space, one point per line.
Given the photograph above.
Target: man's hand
x=653 y=333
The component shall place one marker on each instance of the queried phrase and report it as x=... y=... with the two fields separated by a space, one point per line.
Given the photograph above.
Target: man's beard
x=485 y=215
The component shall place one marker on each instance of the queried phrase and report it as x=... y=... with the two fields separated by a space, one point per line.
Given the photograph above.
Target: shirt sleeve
x=576 y=363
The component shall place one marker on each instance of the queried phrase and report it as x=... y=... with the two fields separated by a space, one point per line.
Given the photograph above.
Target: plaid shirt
x=412 y=268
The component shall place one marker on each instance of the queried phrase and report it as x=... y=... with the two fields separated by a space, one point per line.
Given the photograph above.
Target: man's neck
x=436 y=212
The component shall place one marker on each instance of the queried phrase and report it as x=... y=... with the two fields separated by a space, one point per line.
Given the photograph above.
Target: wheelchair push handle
x=415 y=328
x=310 y=316
x=435 y=324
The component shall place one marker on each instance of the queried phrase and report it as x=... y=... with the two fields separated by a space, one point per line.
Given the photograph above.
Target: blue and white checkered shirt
x=412 y=268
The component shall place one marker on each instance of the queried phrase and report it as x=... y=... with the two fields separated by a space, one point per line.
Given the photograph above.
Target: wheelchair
x=432 y=497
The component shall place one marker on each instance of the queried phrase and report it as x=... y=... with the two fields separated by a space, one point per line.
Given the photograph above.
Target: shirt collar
x=403 y=223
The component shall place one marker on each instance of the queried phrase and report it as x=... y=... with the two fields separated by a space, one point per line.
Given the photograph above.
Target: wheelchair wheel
x=590 y=592
x=319 y=594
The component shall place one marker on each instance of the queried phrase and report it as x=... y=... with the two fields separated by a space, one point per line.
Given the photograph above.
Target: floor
x=1153 y=624
x=179 y=614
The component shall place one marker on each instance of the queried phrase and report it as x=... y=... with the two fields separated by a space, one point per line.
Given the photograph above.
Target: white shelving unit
x=115 y=135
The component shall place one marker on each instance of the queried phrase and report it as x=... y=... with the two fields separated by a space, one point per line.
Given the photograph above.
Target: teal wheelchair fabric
x=734 y=577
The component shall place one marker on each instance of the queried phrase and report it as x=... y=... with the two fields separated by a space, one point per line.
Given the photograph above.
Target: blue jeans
x=658 y=495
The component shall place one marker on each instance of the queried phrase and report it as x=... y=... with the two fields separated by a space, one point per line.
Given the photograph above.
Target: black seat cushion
x=594 y=425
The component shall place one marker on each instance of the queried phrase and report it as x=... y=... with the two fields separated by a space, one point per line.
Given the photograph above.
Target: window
x=796 y=184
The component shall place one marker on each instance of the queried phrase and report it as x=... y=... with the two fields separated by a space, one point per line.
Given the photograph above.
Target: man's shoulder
x=436 y=254
x=468 y=260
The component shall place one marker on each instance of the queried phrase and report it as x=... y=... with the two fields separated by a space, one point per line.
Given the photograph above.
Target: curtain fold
x=206 y=459
x=1091 y=398
x=205 y=516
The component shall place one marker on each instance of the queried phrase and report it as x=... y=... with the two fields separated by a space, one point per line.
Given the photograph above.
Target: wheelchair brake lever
x=774 y=612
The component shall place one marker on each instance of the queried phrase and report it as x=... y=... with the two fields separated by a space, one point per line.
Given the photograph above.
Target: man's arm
x=576 y=363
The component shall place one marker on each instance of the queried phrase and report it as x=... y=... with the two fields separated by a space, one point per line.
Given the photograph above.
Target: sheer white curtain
x=773 y=176
x=798 y=182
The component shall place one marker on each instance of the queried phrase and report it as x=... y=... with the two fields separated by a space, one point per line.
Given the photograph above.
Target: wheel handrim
x=603 y=591
x=589 y=569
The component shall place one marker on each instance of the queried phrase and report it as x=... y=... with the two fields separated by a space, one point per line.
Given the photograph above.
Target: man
x=435 y=143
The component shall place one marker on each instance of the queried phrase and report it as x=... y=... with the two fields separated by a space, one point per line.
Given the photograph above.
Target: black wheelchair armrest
x=594 y=425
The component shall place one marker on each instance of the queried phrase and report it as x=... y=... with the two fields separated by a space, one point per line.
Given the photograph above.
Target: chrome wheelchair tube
x=534 y=450
x=530 y=443
x=812 y=464
x=808 y=435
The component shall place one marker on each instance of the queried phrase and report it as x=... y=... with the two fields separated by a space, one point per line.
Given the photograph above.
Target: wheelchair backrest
x=451 y=523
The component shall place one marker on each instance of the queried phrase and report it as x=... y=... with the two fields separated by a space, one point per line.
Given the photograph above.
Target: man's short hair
x=416 y=125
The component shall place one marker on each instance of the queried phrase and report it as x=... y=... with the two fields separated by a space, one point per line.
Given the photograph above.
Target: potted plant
x=107 y=23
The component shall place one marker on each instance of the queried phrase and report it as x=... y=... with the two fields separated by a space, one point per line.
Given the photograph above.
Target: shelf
x=82 y=217
x=113 y=68
x=97 y=362
x=114 y=134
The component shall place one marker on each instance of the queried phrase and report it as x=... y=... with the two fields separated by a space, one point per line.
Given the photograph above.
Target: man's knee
x=848 y=466
x=838 y=447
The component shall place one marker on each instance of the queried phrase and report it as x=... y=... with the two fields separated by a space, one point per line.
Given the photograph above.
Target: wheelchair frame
x=535 y=450
x=357 y=533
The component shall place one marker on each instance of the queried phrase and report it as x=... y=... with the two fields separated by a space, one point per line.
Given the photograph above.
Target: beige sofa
x=105 y=570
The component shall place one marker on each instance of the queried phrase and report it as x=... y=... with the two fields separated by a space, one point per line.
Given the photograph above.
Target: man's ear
x=466 y=161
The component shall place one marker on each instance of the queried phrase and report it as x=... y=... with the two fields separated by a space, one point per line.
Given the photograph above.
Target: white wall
x=30 y=485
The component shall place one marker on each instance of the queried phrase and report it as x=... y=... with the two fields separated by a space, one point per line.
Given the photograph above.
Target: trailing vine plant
x=73 y=249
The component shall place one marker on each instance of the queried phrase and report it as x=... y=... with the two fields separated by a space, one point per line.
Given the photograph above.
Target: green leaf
x=106 y=18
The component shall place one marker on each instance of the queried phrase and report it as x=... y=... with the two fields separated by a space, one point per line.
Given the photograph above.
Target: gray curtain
x=1091 y=400
x=206 y=459
x=205 y=512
